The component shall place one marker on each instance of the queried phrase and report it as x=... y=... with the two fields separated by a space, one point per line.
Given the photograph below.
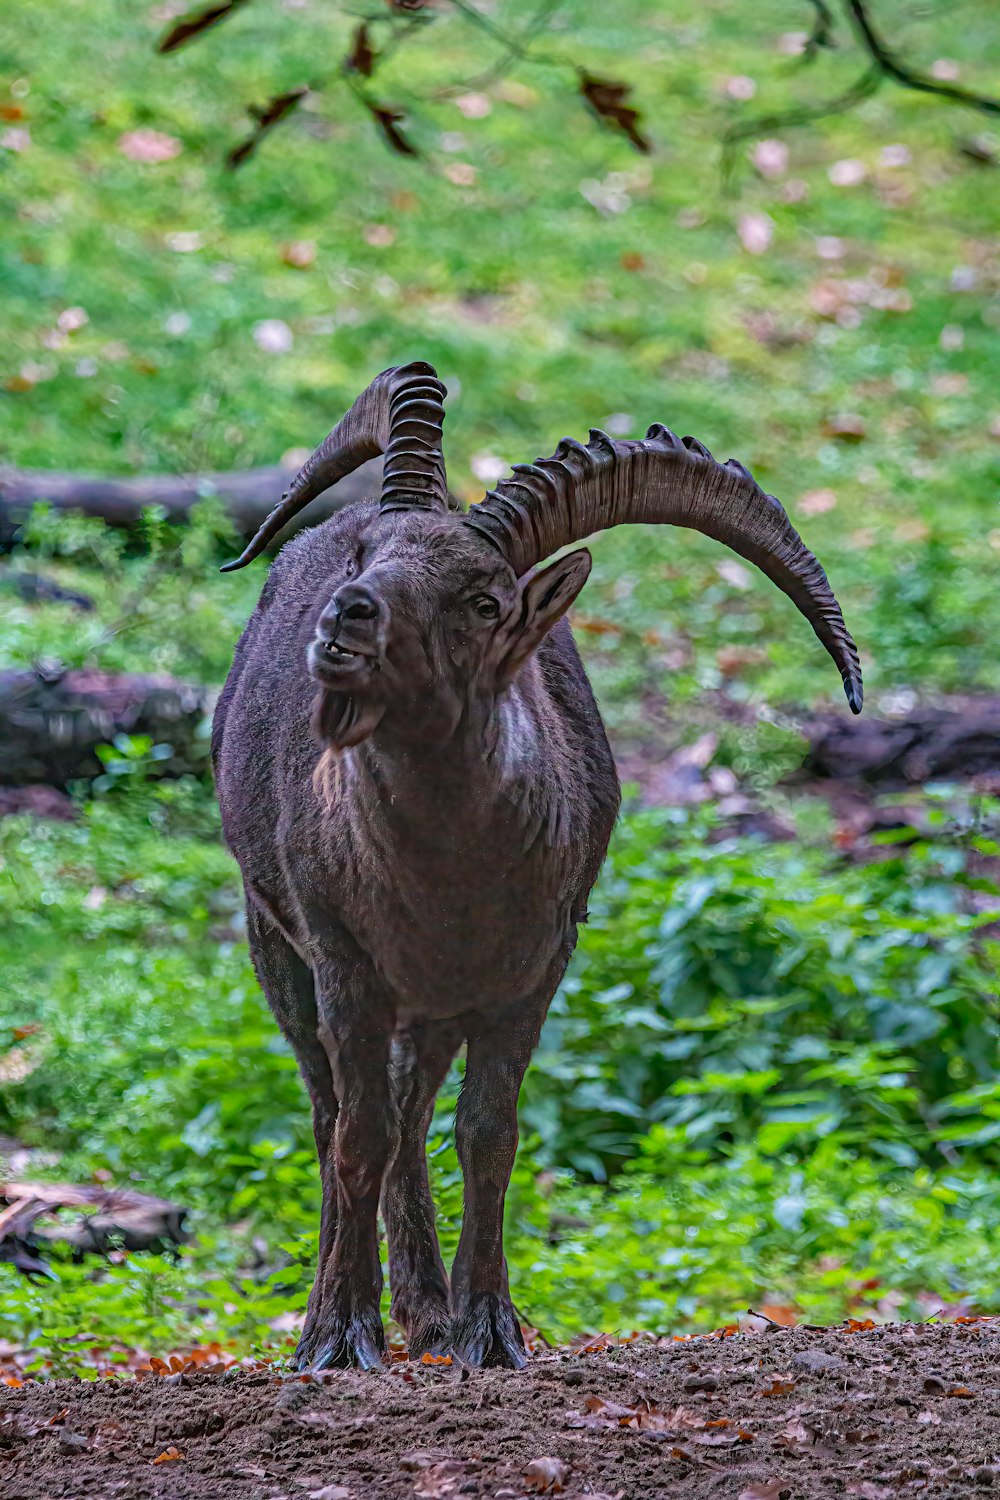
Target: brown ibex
x=416 y=782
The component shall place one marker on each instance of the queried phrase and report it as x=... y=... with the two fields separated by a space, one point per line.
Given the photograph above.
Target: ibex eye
x=486 y=606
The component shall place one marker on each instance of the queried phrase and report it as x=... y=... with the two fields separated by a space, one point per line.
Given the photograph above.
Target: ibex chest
x=461 y=920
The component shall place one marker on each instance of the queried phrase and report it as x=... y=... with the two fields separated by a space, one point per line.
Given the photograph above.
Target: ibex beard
x=416 y=782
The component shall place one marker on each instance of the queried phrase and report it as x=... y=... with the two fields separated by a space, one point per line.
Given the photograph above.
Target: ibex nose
x=355 y=602
x=346 y=613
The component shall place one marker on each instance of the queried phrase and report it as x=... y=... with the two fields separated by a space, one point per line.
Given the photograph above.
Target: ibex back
x=416 y=782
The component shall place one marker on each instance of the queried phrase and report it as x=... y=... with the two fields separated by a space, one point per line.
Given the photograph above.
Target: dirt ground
x=787 y=1414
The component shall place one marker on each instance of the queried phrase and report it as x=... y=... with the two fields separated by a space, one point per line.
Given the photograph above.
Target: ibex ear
x=545 y=598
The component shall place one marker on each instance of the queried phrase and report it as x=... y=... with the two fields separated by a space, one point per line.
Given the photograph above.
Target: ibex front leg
x=355 y=1026
x=421 y=1056
x=485 y=1330
x=287 y=981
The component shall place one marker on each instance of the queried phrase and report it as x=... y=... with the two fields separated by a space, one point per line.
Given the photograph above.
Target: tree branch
x=821 y=35
x=884 y=64
x=891 y=67
x=862 y=88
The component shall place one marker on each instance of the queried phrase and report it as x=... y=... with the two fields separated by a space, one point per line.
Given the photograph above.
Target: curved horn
x=401 y=415
x=582 y=489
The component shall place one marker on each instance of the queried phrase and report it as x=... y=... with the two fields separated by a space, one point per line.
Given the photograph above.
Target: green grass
x=519 y=289
x=751 y=1036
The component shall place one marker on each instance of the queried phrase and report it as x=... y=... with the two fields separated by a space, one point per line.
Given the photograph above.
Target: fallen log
x=52 y=720
x=118 y=1218
x=247 y=495
x=34 y=589
x=949 y=743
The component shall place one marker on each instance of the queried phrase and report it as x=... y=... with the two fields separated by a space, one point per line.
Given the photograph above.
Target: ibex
x=416 y=782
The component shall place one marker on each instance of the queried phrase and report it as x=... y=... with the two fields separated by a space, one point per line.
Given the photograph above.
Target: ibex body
x=416 y=782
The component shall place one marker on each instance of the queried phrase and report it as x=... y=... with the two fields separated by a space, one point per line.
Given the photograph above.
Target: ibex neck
x=494 y=769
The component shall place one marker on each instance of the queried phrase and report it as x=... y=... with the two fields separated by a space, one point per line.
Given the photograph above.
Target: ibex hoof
x=339 y=1343
x=487 y=1333
x=431 y=1337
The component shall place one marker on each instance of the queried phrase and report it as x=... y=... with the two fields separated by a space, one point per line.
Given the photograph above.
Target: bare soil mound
x=789 y=1414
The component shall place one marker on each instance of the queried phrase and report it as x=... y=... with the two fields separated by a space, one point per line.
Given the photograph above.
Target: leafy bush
x=156 y=1055
x=732 y=990
x=684 y=1243
x=770 y=992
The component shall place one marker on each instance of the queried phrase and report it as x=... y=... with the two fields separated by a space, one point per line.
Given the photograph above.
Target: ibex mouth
x=333 y=661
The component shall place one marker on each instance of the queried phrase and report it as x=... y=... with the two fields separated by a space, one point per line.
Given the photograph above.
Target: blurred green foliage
x=783 y=1060
x=739 y=992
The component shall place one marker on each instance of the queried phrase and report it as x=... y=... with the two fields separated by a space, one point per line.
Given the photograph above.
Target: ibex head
x=435 y=609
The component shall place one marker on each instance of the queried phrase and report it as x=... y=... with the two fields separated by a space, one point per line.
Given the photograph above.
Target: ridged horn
x=401 y=415
x=585 y=488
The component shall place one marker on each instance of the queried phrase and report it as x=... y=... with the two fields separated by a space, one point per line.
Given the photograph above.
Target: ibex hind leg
x=485 y=1329
x=420 y=1058
x=288 y=985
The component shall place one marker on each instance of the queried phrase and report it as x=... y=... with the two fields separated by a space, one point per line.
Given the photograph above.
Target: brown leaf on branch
x=266 y=116
x=242 y=152
x=362 y=56
x=191 y=26
x=277 y=108
x=608 y=101
x=387 y=119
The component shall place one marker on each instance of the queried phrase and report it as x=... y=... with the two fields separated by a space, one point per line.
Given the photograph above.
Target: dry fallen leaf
x=735 y=574
x=441 y=1480
x=149 y=146
x=770 y=158
x=756 y=231
x=299 y=253
x=770 y=1489
x=778 y=1312
x=847 y=173
x=546 y=1476
x=645 y=1417
x=815 y=502
x=781 y=1385
x=796 y=1435
x=739 y=86
x=273 y=336
x=849 y=427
